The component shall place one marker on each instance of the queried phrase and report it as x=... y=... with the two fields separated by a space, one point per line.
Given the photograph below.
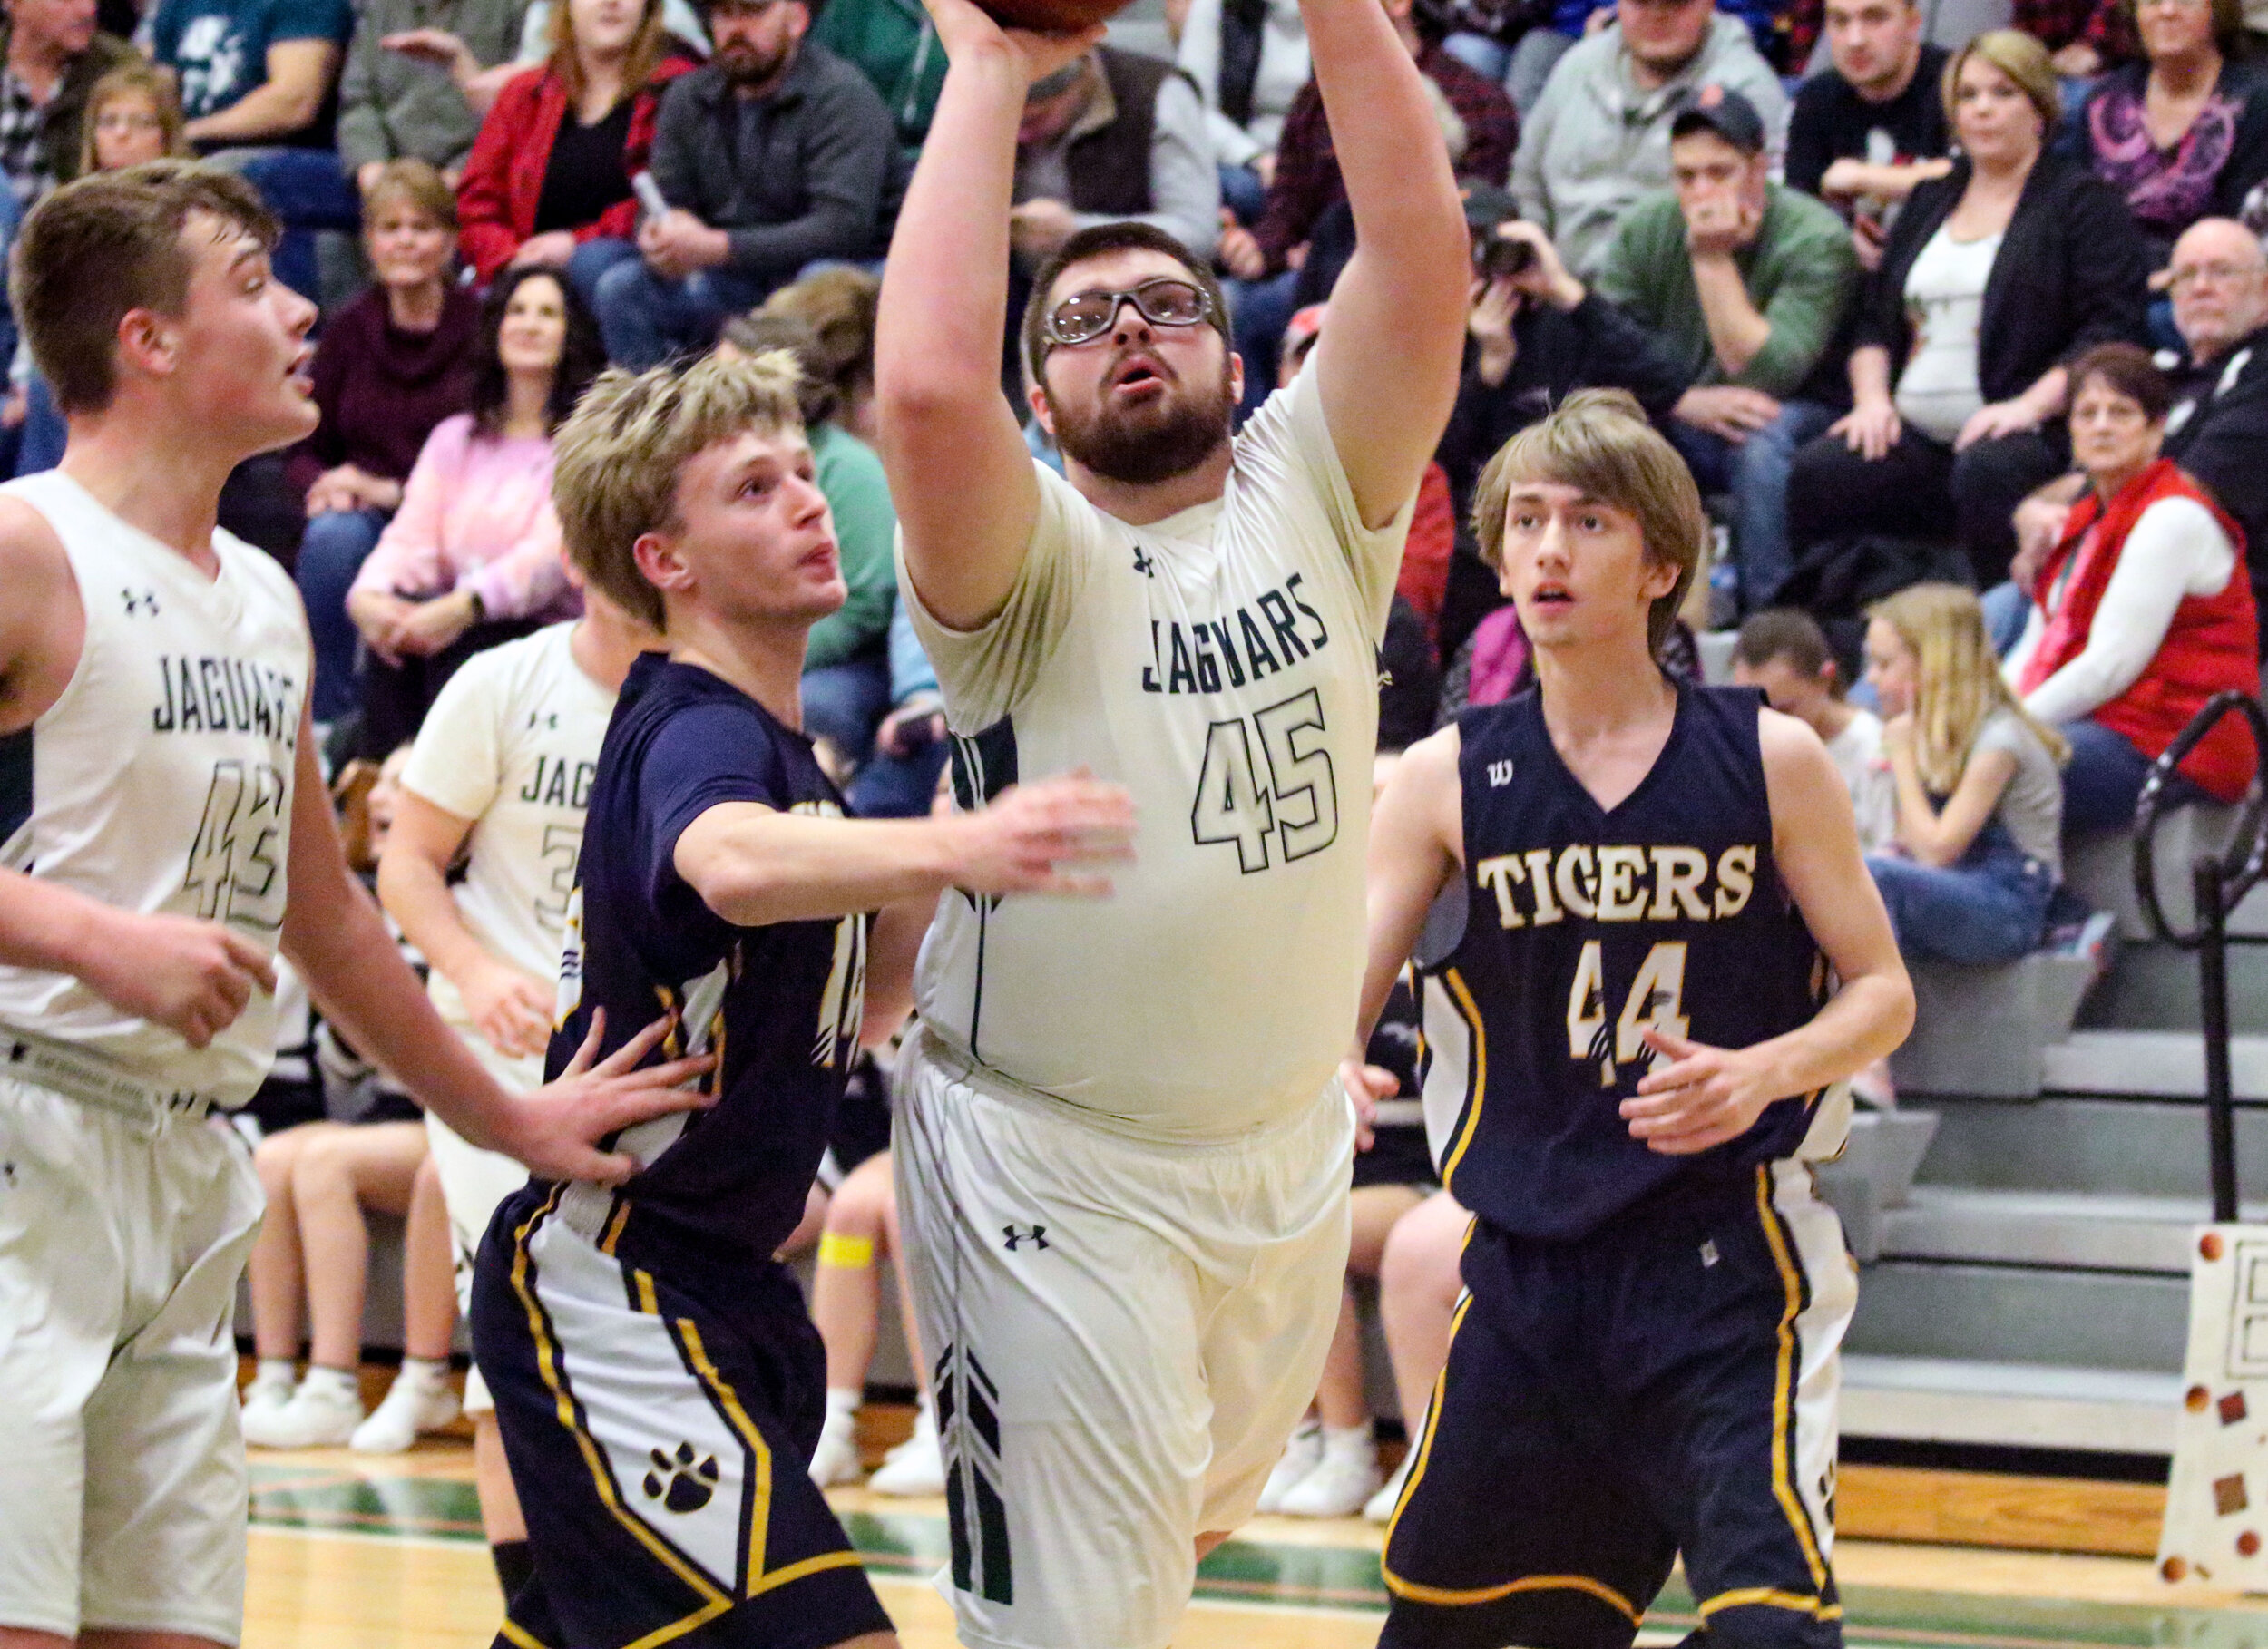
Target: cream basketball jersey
x=161 y=781
x=511 y=744
x=1222 y=665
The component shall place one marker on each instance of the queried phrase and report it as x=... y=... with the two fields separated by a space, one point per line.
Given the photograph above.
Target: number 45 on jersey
x=1267 y=786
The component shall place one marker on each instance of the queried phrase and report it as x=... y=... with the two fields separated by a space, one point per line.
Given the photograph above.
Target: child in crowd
x=1783 y=652
x=1979 y=795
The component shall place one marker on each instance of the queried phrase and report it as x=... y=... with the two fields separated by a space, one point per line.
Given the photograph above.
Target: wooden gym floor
x=353 y=1552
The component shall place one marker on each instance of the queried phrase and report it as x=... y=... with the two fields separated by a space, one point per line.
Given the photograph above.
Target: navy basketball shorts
x=658 y=1408
x=1664 y=1385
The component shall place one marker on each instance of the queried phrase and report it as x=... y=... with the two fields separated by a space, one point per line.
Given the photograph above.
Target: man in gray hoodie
x=1598 y=139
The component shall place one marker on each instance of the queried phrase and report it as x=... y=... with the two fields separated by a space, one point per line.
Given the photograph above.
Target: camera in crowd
x=1495 y=254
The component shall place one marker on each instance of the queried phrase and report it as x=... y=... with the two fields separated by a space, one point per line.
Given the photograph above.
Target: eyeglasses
x=2219 y=274
x=1085 y=316
x=126 y=120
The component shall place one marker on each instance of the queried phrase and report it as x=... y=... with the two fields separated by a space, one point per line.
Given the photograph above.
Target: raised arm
x=1416 y=844
x=1387 y=361
x=959 y=474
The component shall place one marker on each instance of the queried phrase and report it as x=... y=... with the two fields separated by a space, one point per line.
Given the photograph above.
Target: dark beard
x=1146 y=447
x=750 y=70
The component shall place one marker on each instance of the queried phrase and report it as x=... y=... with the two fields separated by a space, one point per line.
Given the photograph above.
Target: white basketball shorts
x=122 y=1489
x=474 y=1184
x=1123 y=1333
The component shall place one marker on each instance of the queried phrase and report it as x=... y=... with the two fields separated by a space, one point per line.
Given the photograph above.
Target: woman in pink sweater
x=472 y=558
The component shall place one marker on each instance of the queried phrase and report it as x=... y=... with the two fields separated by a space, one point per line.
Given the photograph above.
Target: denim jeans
x=645 y=319
x=1242 y=193
x=308 y=189
x=332 y=552
x=1755 y=473
x=899 y=787
x=44 y=430
x=590 y=262
x=2006 y=610
x=843 y=703
x=1991 y=907
x=1258 y=311
x=2105 y=779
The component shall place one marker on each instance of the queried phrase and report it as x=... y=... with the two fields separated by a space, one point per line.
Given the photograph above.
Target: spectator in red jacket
x=548 y=182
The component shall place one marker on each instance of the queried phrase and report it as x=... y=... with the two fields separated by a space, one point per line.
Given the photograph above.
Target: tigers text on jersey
x=1222 y=665
x=511 y=744
x=1583 y=928
x=779 y=1005
x=161 y=781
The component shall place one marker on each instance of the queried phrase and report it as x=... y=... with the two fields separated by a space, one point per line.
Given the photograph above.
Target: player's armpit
x=892 y=950
x=1815 y=843
x=43 y=625
x=1416 y=844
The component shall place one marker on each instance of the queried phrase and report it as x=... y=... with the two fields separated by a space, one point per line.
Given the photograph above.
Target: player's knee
x=1769 y=1626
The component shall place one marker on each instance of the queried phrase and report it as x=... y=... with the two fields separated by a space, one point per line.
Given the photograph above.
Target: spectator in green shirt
x=1745 y=283
x=894 y=46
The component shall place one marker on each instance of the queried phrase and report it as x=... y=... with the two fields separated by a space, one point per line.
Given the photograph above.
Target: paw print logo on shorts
x=680 y=1482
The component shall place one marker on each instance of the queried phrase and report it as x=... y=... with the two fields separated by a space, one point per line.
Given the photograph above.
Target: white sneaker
x=836 y=1459
x=1379 y=1506
x=917 y=1466
x=411 y=1408
x=315 y=1418
x=1339 y=1486
x=264 y=1397
x=1301 y=1455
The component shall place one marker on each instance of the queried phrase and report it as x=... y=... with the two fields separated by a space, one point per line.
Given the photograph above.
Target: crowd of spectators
x=1964 y=338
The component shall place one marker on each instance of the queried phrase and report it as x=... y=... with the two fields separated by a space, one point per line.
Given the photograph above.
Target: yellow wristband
x=851 y=1253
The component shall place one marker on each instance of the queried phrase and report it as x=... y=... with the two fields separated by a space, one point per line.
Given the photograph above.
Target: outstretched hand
x=555 y=1130
x=1022 y=840
x=1702 y=1097
x=964 y=28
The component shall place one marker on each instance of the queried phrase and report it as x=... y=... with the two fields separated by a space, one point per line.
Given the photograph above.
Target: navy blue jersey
x=1584 y=927
x=779 y=1005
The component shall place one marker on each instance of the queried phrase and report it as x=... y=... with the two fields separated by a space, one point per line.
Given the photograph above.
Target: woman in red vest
x=2142 y=613
x=548 y=181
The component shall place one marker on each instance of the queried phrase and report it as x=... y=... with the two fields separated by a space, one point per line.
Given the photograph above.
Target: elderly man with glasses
x=2218 y=427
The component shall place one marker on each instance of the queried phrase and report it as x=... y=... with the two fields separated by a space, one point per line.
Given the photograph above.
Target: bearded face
x=1143 y=424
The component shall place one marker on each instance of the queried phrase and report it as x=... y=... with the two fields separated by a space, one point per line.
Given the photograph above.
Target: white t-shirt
x=511 y=744
x=1945 y=294
x=1222 y=665
x=1857 y=752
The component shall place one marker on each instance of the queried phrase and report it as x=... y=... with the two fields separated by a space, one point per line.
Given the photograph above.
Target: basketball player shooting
x=158 y=794
x=1639 y=1039
x=1126 y=1161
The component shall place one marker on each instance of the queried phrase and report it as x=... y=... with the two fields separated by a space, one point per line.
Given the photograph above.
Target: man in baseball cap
x=1744 y=282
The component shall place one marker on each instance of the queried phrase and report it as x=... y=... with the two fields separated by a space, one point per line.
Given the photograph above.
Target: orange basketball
x=1054 y=17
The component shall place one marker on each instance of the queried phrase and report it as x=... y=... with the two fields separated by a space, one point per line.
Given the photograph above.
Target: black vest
x=1110 y=167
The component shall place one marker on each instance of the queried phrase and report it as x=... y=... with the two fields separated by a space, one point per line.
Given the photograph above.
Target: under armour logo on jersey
x=140 y=602
x=537 y=719
x=1500 y=775
x=1143 y=564
x=680 y=1482
x=1013 y=1239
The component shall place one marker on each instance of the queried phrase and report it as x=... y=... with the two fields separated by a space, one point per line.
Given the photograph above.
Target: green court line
x=316 y=1498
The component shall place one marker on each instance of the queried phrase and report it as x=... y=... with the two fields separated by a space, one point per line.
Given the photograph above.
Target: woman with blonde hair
x=132 y=115
x=548 y=180
x=1995 y=277
x=1979 y=812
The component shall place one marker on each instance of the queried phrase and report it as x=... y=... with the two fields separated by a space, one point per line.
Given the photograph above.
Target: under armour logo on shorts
x=1037 y=1235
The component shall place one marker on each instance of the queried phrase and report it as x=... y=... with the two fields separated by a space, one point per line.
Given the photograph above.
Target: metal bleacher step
x=2066 y=1317
x=2068 y=1230
x=2022 y=1405
x=2155 y=1063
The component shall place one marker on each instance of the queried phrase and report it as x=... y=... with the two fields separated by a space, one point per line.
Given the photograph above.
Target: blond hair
x=1958 y=684
x=1598 y=441
x=415 y=183
x=134 y=79
x=2019 y=57
x=619 y=457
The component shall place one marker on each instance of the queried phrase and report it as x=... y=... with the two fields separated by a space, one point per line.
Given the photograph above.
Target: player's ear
x=147 y=343
x=660 y=562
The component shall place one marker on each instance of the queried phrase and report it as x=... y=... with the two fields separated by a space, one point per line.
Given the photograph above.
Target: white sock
x=843 y=1402
x=1348 y=1442
x=332 y=1383
x=431 y=1374
x=278 y=1372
